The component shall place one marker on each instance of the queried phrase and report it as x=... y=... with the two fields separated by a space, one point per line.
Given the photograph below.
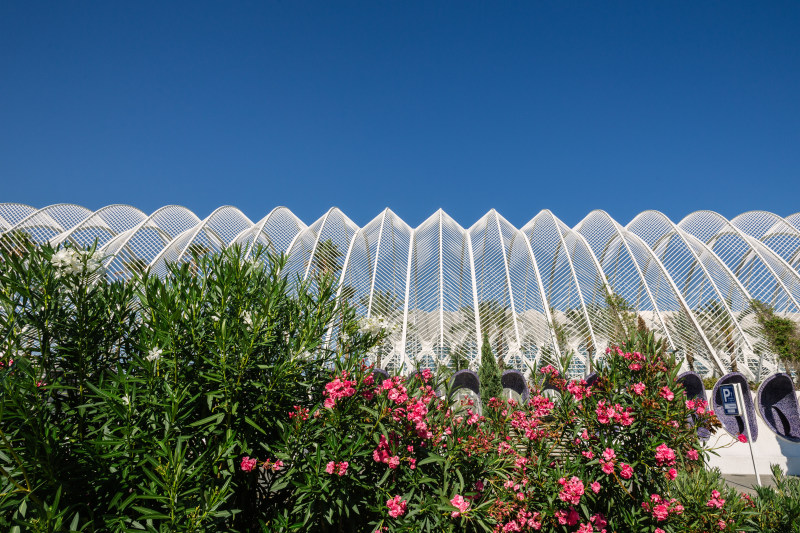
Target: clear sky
x=468 y=106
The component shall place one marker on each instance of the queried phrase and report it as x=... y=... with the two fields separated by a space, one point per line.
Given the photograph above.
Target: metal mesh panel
x=534 y=291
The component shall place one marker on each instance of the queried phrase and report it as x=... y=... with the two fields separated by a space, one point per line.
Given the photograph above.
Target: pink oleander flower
x=248 y=464
x=567 y=518
x=607 y=466
x=393 y=462
x=635 y=366
x=397 y=506
x=277 y=465
x=609 y=454
x=741 y=437
x=338 y=389
x=459 y=503
x=671 y=474
x=572 y=490
x=715 y=500
x=585 y=528
x=330 y=467
x=721 y=524
x=599 y=521
x=341 y=468
x=638 y=388
x=595 y=487
x=666 y=394
x=692 y=455
x=661 y=512
x=665 y=455
x=659 y=530
x=626 y=471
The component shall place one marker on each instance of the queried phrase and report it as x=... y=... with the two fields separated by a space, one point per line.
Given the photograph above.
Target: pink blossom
x=397 y=506
x=276 y=465
x=572 y=490
x=626 y=471
x=635 y=366
x=599 y=520
x=666 y=394
x=609 y=454
x=248 y=464
x=595 y=487
x=341 y=468
x=569 y=518
x=585 y=528
x=337 y=389
x=393 y=462
x=459 y=503
x=672 y=474
x=721 y=524
x=741 y=437
x=715 y=500
x=692 y=454
x=661 y=512
x=665 y=455
x=638 y=388
x=607 y=467
x=329 y=469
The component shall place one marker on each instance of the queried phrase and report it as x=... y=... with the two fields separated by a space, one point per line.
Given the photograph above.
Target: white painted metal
x=713 y=260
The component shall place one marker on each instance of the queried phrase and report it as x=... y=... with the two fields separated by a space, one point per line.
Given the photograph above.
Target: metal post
x=737 y=387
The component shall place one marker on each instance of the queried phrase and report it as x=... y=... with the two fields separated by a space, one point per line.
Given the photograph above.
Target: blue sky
x=468 y=106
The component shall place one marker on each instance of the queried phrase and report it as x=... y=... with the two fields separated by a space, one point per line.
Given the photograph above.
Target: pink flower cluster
x=567 y=517
x=248 y=464
x=666 y=394
x=337 y=389
x=459 y=503
x=383 y=454
x=579 y=389
x=338 y=468
x=572 y=490
x=661 y=508
x=715 y=500
x=397 y=392
x=607 y=412
x=397 y=506
x=608 y=460
x=638 y=388
x=301 y=413
x=699 y=405
x=665 y=456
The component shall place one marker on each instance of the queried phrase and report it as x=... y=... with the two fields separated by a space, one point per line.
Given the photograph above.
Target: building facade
x=537 y=292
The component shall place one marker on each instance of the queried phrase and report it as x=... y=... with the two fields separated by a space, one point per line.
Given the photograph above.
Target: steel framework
x=535 y=292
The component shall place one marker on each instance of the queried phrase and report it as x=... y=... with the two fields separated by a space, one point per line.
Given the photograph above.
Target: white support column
x=375 y=269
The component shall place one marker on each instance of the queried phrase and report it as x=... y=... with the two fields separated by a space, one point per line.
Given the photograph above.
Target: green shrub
x=778 y=509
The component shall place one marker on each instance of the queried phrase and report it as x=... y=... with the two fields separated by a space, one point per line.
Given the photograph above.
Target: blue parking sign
x=729 y=404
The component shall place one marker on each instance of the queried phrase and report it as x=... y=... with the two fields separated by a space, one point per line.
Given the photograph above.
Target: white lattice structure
x=534 y=291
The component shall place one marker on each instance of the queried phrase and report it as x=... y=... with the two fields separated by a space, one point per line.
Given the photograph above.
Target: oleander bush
x=228 y=397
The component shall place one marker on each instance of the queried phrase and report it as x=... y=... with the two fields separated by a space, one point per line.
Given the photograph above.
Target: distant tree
x=489 y=373
x=326 y=258
x=458 y=358
x=782 y=334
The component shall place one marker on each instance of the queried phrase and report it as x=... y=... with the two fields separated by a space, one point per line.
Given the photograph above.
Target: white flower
x=62 y=258
x=154 y=355
x=126 y=400
x=248 y=319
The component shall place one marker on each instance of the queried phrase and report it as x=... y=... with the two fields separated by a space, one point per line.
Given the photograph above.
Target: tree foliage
x=489 y=372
